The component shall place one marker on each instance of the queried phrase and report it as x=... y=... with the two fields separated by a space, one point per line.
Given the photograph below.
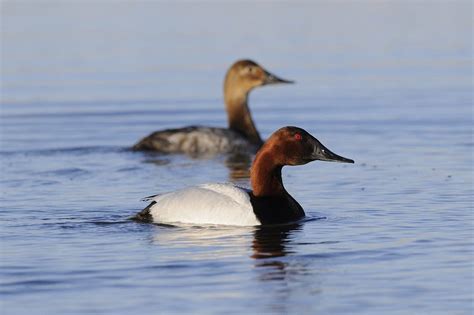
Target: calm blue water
x=388 y=85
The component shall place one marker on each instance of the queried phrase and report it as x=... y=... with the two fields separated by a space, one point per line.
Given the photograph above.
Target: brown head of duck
x=286 y=146
x=241 y=78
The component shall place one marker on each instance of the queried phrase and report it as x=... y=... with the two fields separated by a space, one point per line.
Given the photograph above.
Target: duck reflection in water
x=273 y=242
x=277 y=263
x=238 y=165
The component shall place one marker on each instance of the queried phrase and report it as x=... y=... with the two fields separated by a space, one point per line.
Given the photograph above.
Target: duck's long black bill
x=324 y=154
x=273 y=79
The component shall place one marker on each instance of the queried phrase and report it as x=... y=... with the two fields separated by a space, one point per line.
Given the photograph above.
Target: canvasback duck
x=241 y=134
x=267 y=203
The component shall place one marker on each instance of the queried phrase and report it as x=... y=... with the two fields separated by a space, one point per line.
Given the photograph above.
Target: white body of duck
x=240 y=136
x=267 y=203
x=205 y=204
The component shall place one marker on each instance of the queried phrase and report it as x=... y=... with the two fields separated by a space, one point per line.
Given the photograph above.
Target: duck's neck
x=266 y=175
x=238 y=114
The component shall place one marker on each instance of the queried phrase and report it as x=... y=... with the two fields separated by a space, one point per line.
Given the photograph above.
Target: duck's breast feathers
x=195 y=140
x=205 y=204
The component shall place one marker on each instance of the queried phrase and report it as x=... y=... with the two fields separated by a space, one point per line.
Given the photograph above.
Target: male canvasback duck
x=267 y=203
x=241 y=134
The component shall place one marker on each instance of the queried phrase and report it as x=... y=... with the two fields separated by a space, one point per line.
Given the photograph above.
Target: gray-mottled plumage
x=196 y=140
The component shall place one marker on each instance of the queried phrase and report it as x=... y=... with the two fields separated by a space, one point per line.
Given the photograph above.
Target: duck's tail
x=144 y=215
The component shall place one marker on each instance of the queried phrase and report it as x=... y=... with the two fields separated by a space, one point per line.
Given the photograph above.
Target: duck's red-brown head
x=286 y=146
x=295 y=146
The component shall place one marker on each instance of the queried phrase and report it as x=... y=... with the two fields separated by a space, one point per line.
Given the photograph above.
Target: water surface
x=388 y=85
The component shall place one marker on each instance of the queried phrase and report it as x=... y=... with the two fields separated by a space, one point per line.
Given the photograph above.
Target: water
x=386 y=84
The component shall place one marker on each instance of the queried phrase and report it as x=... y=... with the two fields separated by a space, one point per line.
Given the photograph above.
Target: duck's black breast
x=276 y=209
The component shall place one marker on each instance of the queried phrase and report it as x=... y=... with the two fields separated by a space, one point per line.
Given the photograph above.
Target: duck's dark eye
x=298 y=136
x=250 y=69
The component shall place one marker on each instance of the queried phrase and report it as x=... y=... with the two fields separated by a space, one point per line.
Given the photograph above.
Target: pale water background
x=389 y=85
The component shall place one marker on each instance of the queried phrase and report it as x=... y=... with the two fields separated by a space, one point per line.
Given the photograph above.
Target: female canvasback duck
x=241 y=134
x=267 y=203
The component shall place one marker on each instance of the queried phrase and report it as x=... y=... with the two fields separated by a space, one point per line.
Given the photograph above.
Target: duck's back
x=196 y=140
x=204 y=204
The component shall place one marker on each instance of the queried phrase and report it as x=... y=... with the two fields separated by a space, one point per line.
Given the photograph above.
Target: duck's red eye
x=298 y=136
